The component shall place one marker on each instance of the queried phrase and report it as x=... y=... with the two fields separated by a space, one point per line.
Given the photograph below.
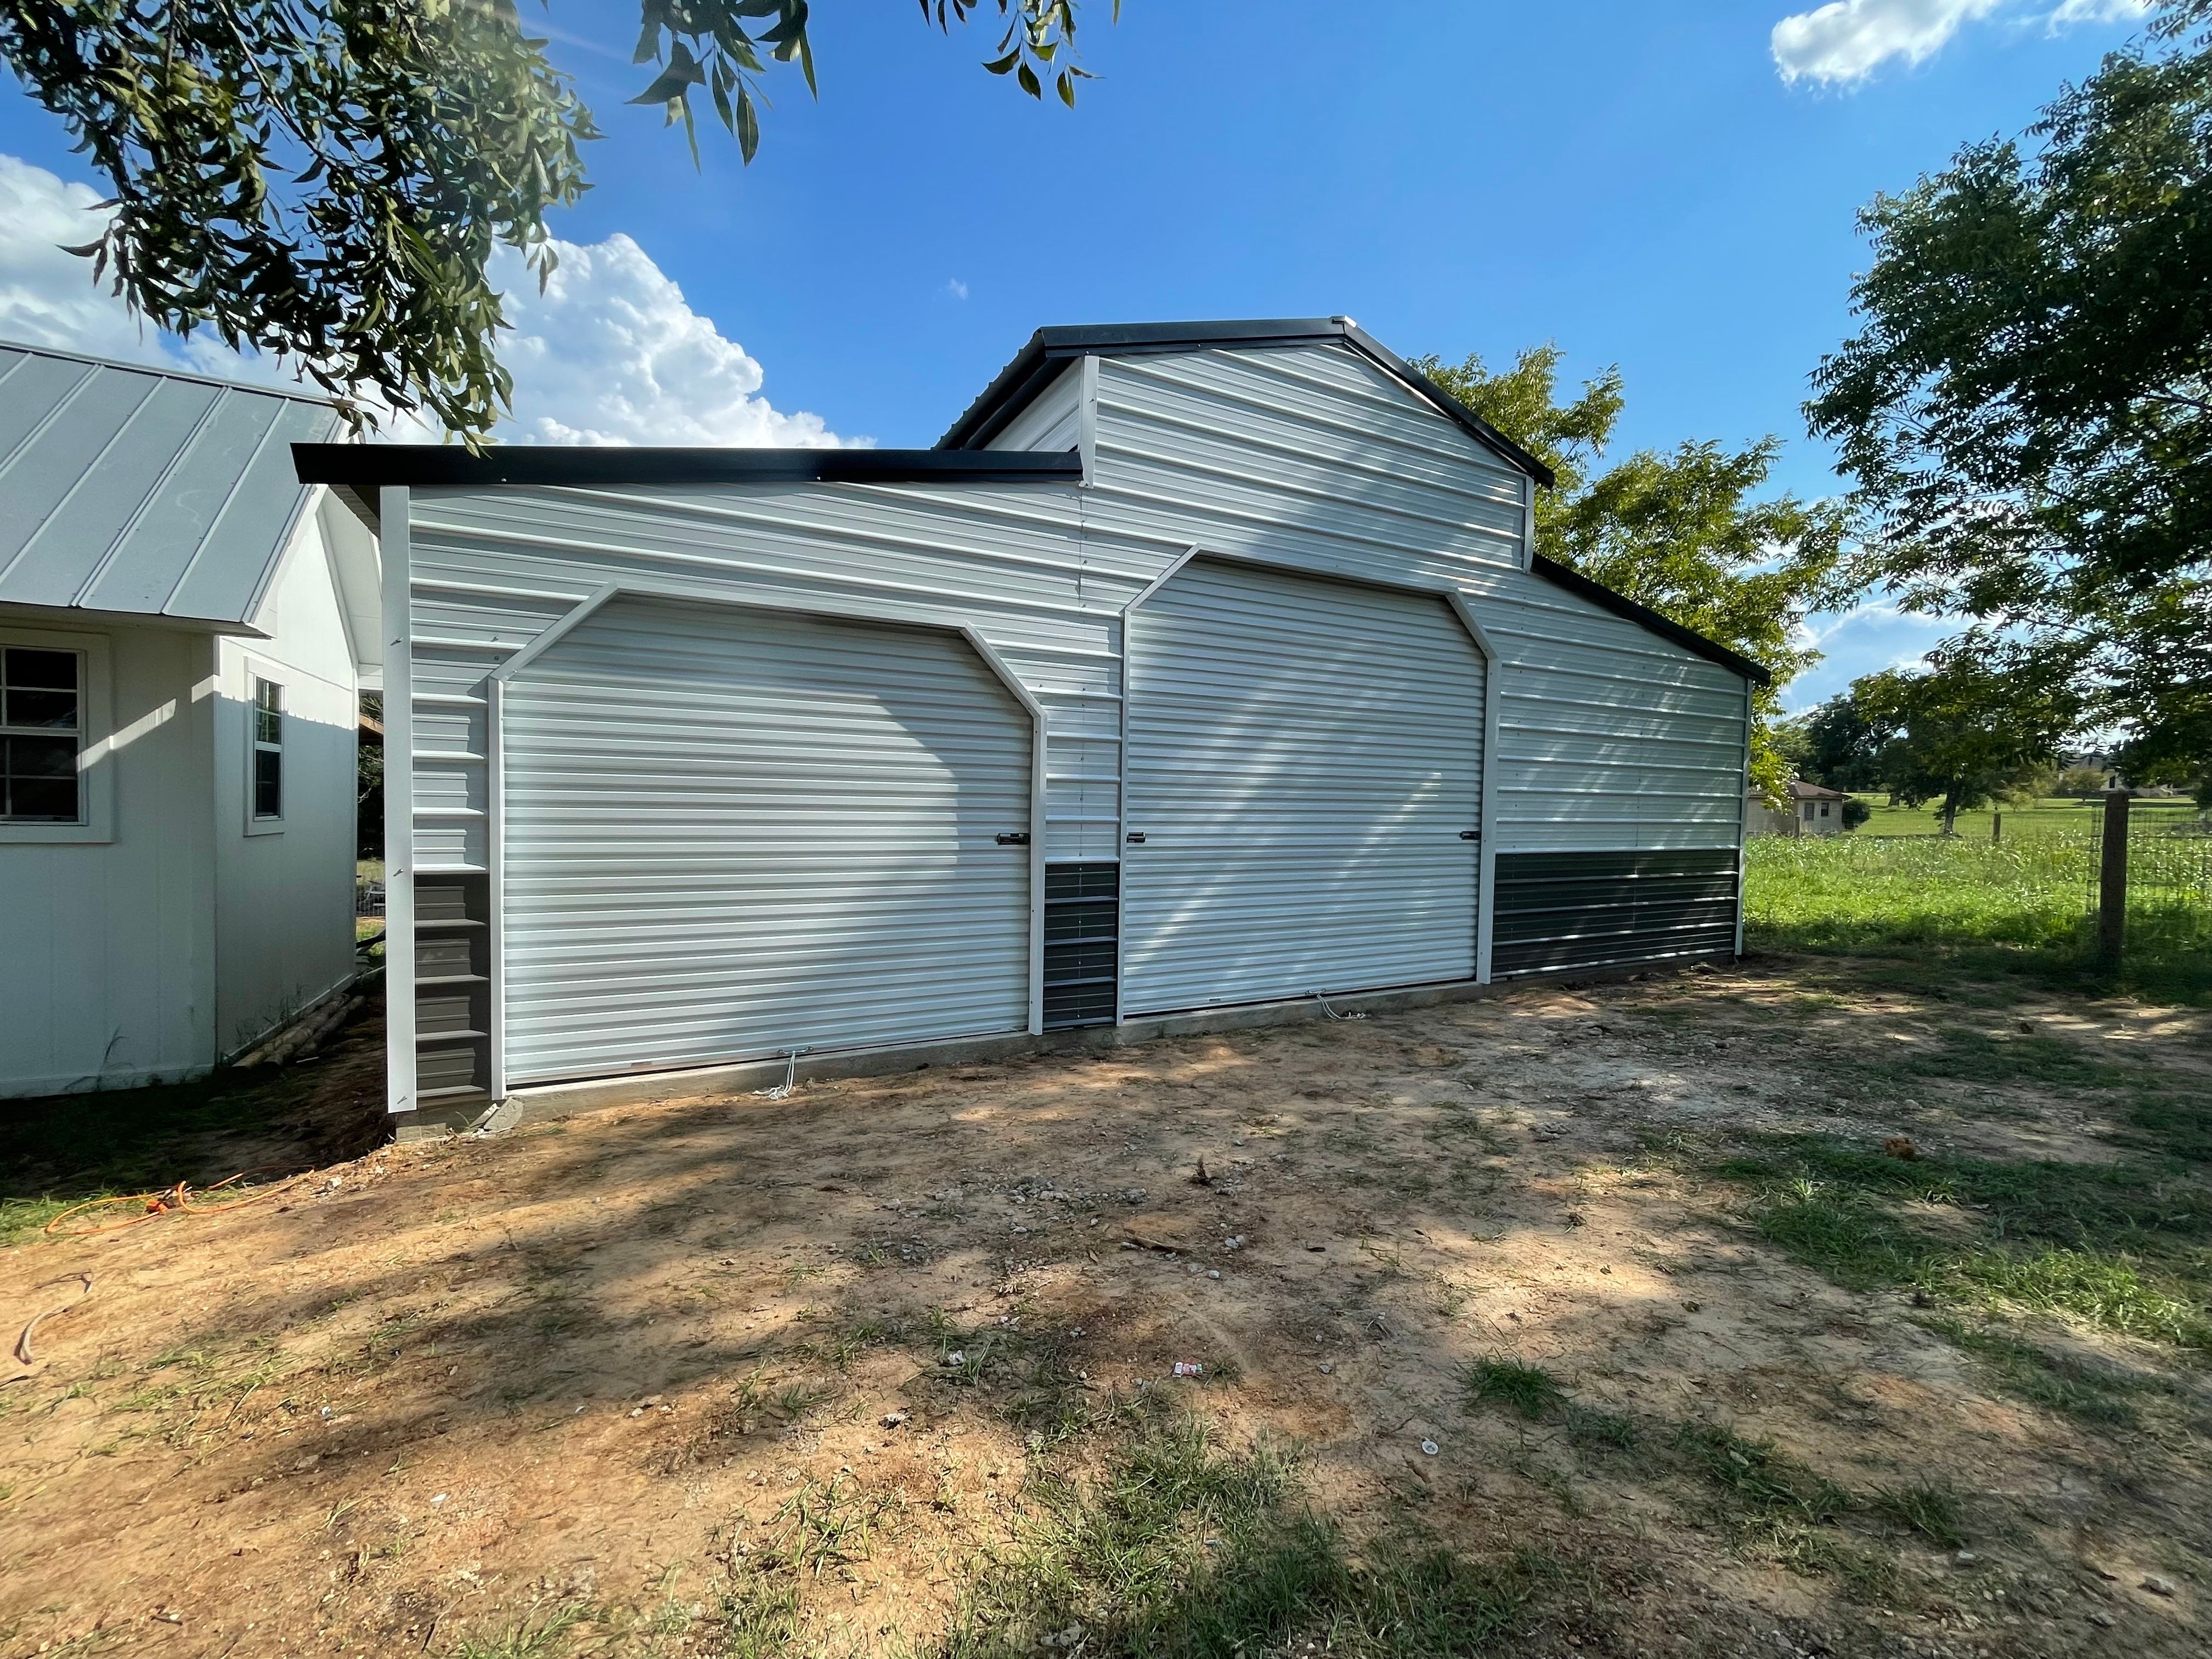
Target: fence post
x=2112 y=880
x=1996 y=826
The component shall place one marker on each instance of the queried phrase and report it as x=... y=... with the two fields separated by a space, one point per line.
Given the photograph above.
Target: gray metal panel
x=1303 y=756
x=1561 y=911
x=129 y=489
x=730 y=831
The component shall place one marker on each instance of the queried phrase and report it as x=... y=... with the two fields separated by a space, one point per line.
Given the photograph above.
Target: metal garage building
x=1198 y=664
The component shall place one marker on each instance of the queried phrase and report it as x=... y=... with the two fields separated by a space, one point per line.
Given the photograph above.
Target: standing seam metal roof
x=144 y=490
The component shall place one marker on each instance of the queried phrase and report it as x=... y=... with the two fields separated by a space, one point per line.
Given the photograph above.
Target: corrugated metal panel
x=491 y=569
x=1049 y=421
x=1304 y=755
x=129 y=489
x=731 y=832
x=1311 y=455
x=1559 y=911
x=1611 y=737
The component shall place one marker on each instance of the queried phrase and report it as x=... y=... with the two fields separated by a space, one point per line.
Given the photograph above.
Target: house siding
x=284 y=932
x=107 y=973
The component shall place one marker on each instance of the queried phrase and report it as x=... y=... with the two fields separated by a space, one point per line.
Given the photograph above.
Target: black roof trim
x=363 y=466
x=1621 y=605
x=1049 y=349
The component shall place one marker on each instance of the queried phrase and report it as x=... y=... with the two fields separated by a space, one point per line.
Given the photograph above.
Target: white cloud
x=956 y=288
x=1869 y=636
x=612 y=353
x=2097 y=11
x=1846 y=41
x=609 y=354
x=47 y=296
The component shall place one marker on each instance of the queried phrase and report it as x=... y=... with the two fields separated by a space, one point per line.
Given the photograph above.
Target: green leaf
x=747 y=126
x=673 y=83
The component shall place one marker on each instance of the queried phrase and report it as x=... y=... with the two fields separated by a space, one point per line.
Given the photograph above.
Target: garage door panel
x=731 y=832
x=1304 y=758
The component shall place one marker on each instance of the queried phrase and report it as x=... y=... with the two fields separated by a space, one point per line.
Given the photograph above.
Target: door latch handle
x=1014 y=838
x=1470 y=834
x=1136 y=837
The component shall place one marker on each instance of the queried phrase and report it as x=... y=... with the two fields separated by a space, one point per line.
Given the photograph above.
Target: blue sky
x=1642 y=184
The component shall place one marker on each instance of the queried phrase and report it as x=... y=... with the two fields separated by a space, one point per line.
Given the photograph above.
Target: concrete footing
x=555 y=1100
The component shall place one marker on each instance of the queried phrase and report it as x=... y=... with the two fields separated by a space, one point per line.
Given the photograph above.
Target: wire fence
x=2169 y=869
x=2035 y=892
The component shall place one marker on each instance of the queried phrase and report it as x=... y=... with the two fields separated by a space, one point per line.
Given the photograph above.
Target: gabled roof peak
x=1038 y=362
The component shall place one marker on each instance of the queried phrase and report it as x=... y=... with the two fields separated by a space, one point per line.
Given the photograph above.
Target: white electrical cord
x=1330 y=1012
x=782 y=1091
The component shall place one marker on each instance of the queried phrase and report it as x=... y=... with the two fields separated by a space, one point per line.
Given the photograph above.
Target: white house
x=1806 y=809
x=185 y=630
x=1199 y=672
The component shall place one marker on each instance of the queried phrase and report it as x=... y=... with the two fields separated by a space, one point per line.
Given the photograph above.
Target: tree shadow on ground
x=274 y=1122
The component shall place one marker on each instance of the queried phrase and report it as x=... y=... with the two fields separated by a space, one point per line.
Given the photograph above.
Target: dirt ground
x=558 y=1390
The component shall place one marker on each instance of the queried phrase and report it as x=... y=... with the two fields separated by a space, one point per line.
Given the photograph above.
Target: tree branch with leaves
x=326 y=179
x=2026 y=407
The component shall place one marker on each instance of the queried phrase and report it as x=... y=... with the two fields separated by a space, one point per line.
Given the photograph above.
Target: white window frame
x=259 y=673
x=95 y=765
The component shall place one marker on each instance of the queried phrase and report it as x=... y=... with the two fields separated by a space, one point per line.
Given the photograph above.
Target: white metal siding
x=729 y=832
x=1610 y=736
x=1049 y=421
x=1303 y=757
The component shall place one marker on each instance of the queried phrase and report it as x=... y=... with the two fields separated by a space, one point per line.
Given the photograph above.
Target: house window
x=1809 y=812
x=268 y=750
x=1824 y=809
x=41 y=730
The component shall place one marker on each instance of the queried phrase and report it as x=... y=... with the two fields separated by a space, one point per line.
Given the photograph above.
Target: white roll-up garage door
x=729 y=832
x=1305 y=763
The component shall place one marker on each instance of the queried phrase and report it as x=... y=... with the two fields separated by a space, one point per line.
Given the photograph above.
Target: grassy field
x=2054 y=815
x=2021 y=906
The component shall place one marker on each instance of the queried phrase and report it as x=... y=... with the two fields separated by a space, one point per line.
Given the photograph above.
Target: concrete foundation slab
x=556 y=1100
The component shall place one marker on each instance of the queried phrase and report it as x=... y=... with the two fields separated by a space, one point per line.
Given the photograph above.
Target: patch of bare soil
x=561 y=1388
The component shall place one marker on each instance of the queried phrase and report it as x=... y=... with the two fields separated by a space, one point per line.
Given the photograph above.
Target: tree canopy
x=1681 y=531
x=2028 y=406
x=326 y=179
x=1834 y=745
x=1961 y=735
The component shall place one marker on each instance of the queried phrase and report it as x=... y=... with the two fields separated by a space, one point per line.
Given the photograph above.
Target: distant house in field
x=184 y=631
x=1808 y=809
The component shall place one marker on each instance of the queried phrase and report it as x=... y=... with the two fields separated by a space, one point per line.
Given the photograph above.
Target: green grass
x=1182 y=1550
x=1931 y=1508
x=62 y=1149
x=1755 y=1478
x=1528 y=1390
x=1967 y=907
x=538 y=1634
x=2121 y=1247
x=2028 y=1371
x=2052 y=814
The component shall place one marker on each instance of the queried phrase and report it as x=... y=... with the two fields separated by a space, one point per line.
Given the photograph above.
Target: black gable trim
x=1621 y=605
x=366 y=466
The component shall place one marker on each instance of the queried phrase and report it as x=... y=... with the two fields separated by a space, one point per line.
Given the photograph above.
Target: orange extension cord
x=182 y=1197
